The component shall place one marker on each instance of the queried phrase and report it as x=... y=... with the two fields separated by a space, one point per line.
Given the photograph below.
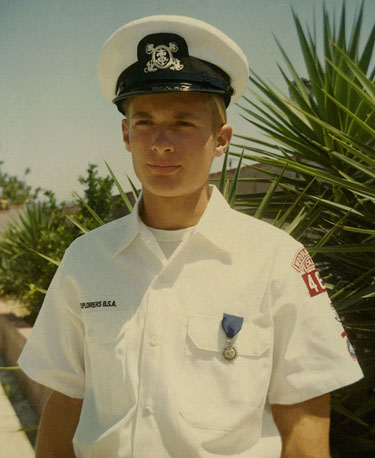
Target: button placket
x=150 y=364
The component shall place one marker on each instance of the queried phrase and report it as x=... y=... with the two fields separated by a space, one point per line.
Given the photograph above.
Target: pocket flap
x=207 y=334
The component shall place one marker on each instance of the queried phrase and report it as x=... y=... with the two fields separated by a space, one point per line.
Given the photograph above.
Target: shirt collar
x=133 y=227
x=215 y=224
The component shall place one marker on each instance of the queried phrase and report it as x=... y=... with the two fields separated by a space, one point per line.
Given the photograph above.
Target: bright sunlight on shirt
x=138 y=335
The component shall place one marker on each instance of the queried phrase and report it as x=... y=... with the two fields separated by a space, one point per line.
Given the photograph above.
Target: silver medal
x=231 y=325
x=229 y=352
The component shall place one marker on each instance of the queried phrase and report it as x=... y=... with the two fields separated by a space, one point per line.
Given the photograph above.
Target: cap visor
x=165 y=87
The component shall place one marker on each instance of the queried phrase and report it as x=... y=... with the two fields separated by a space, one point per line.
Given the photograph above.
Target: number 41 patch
x=304 y=264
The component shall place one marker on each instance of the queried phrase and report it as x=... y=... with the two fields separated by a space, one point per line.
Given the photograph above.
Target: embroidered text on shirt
x=95 y=304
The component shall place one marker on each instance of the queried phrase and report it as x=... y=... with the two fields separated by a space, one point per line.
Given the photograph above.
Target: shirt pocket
x=103 y=327
x=222 y=394
x=105 y=356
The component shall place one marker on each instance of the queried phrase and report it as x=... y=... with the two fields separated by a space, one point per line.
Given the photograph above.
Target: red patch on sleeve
x=314 y=283
x=349 y=345
x=304 y=264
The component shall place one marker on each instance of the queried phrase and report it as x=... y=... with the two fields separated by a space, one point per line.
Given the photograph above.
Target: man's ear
x=223 y=139
x=125 y=133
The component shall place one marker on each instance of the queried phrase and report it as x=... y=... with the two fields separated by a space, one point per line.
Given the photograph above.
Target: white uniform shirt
x=139 y=336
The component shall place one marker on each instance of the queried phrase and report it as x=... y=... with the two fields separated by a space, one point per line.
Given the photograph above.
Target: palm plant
x=41 y=232
x=321 y=138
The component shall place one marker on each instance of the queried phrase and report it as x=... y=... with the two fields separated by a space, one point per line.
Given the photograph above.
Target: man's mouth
x=165 y=168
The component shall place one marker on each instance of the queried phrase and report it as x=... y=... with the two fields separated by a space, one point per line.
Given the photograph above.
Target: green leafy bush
x=24 y=274
x=15 y=191
x=31 y=249
x=98 y=197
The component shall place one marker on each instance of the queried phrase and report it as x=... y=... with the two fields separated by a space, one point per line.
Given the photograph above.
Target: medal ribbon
x=231 y=324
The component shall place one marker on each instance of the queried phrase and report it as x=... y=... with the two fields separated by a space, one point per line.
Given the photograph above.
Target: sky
x=54 y=118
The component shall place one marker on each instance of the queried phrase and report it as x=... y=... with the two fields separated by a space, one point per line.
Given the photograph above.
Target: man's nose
x=162 y=142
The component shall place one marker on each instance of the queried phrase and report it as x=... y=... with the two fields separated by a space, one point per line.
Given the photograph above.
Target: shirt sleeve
x=312 y=353
x=54 y=353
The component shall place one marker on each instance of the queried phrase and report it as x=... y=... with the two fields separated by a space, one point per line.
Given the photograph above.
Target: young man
x=167 y=333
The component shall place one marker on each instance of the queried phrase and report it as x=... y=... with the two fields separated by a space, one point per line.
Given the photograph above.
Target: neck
x=172 y=213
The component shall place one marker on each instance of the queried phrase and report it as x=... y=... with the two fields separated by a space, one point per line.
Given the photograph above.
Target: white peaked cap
x=171 y=54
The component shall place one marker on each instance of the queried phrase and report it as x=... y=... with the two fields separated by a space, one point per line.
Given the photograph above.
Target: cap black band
x=131 y=82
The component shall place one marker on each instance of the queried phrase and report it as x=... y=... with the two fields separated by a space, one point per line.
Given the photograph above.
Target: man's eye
x=143 y=122
x=185 y=124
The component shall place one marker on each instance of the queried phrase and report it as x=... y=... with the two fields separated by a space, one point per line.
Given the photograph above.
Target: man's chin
x=169 y=190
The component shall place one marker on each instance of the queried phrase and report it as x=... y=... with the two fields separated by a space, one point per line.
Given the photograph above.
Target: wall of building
x=7 y=216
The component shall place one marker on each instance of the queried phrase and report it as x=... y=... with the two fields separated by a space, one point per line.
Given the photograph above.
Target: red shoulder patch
x=304 y=265
x=349 y=345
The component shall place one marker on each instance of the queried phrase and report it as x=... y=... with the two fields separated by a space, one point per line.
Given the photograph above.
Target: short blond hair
x=218 y=111
x=217 y=108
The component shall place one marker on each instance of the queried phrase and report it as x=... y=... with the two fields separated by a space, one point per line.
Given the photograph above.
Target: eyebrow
x=181 y=115
x=142 y=114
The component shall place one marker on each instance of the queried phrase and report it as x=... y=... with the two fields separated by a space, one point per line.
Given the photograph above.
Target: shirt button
x=148 y=410
x=162 y=280
x=154 y=341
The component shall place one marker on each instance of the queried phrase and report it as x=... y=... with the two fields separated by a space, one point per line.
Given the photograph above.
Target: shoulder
x=105 y=237
x=248 y=230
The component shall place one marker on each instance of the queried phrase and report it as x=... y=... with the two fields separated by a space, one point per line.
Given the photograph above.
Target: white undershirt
x=169 y=240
